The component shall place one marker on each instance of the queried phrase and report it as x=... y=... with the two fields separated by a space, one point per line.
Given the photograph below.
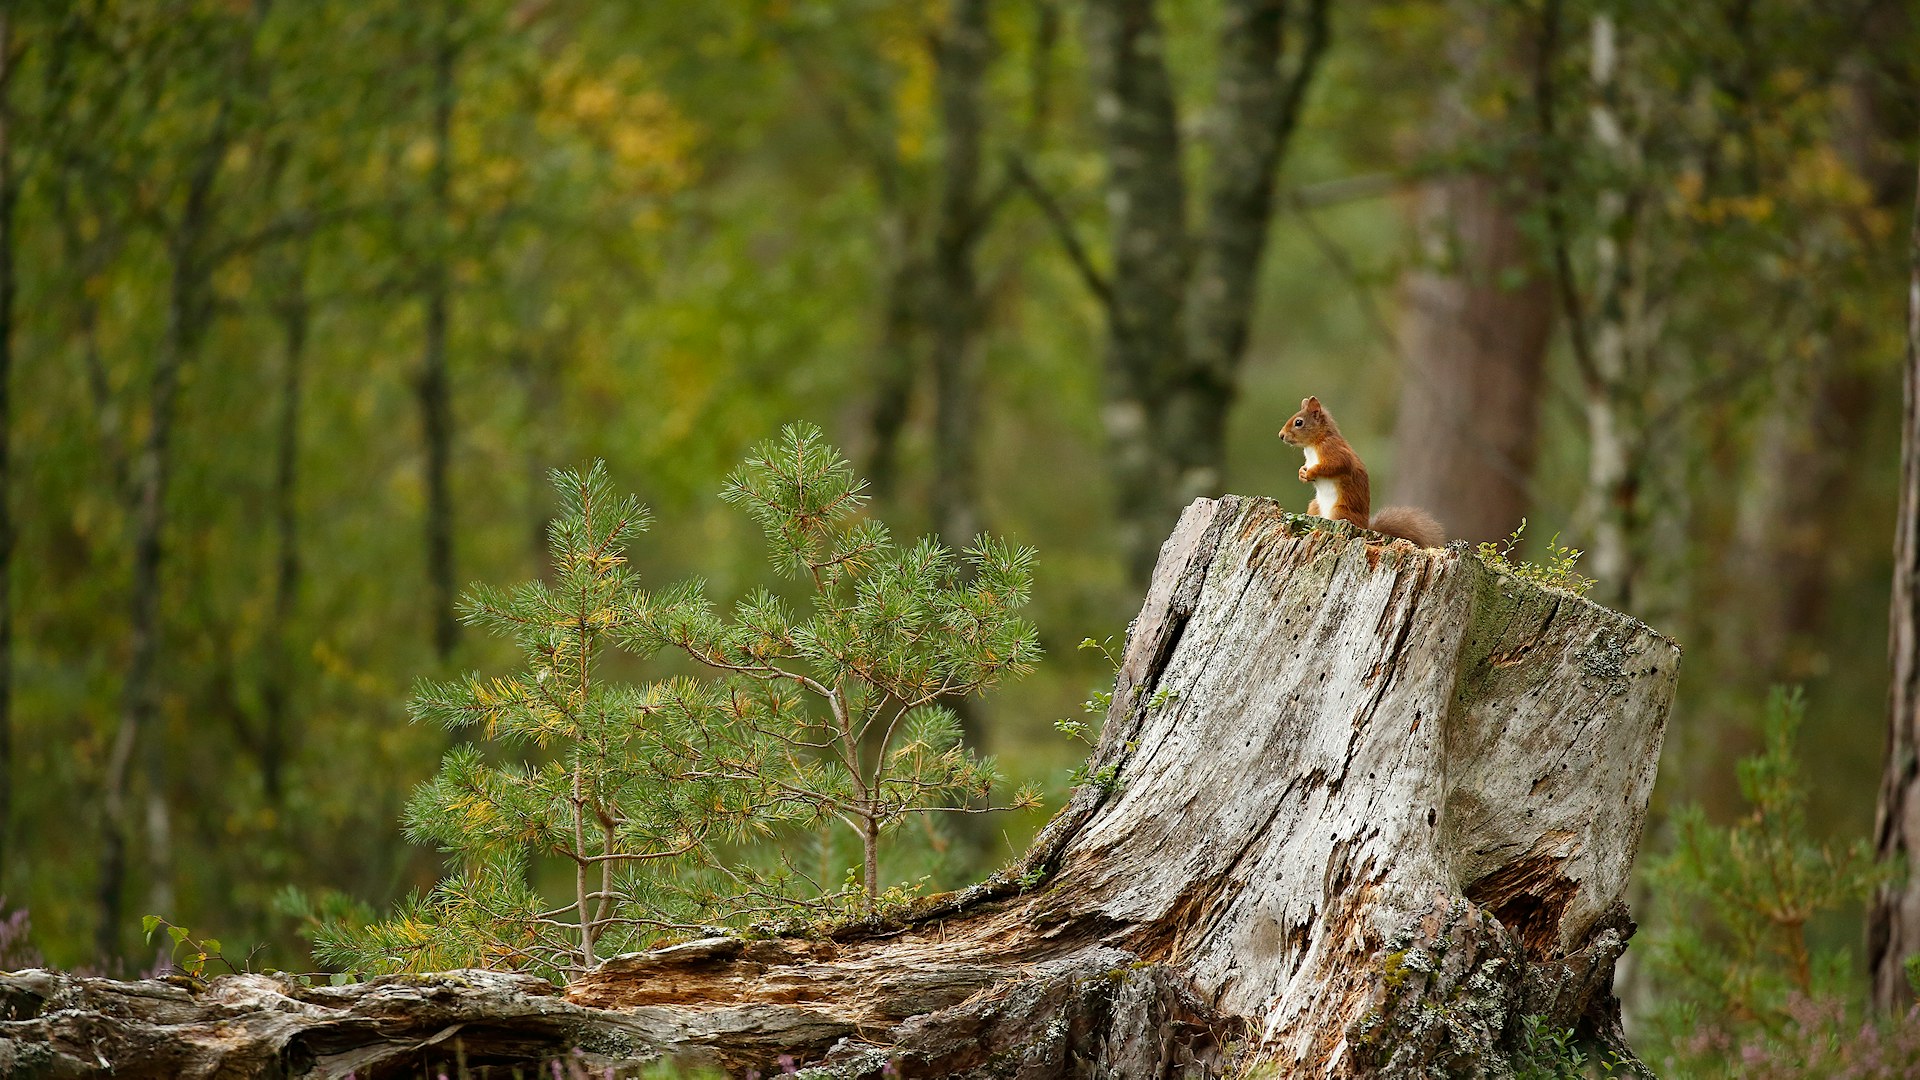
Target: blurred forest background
x=304 y=299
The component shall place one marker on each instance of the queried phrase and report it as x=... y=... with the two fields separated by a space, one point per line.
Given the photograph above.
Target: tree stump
x=1358 y=809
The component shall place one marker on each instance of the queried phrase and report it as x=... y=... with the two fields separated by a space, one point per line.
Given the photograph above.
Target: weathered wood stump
x=1359 y=809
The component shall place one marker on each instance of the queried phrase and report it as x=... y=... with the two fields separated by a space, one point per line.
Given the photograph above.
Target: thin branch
x=1062 y=228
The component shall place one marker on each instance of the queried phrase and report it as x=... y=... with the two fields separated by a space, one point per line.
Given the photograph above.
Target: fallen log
x=1358 y=809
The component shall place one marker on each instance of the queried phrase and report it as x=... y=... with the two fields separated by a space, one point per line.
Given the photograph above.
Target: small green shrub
x=1557 y=570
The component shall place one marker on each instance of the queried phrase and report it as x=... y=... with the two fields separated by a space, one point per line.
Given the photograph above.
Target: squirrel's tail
x=1410 y=523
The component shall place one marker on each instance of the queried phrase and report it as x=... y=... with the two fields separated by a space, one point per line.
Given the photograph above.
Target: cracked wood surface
x=1332 y=756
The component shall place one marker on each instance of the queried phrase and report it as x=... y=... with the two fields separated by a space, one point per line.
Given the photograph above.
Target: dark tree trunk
x=7 y=198
x=432 y=389
x=954 y=304
x=189 y=310
x=1318 y=826
x=1146 y=198
x=1893 y=926
x=276 y=738
x=1255 y=109
x=1179 y=302
x=896 y=361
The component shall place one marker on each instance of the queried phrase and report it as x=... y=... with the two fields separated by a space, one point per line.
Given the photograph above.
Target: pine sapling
x=844 y=703
x=619 y=796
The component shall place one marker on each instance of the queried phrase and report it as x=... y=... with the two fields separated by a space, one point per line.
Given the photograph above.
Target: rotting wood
x=1372 y=812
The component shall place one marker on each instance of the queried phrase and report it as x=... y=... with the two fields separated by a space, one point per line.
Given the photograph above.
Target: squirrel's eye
x=1299 y=422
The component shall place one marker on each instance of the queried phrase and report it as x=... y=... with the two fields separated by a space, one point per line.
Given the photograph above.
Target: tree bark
x=189 y=313
x=1474 y=349
x=1893 y=923
x=8 y=194
x=1179 y=302
x=432 y=389
x=1476 y=320
x=954 y=304
x=275 y=742
x=1344 y=786
x=1146 y=204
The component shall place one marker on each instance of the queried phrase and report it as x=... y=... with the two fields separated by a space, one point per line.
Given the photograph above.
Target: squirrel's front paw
x=1304 y=476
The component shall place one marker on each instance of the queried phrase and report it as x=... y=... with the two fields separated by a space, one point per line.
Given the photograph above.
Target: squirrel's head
x=1308 y=426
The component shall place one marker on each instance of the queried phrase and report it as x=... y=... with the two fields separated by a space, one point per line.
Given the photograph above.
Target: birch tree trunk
x=1359 y=809
x=1893 y=923
x=1180 y=297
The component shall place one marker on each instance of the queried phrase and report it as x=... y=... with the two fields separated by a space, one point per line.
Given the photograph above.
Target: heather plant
x=16 y=939
x=661 y=800
x=1734 y=960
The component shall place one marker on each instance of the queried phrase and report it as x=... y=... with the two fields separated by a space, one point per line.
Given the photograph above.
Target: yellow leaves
x=1819 y=174
x=648 y=142
x=419 y=155
x=594 y=101
x=1688 y=191
x=475 y=810
x=904 y=45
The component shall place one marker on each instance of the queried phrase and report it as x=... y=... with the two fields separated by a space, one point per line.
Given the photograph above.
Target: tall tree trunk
x=1476 y=321
x=7 y=198
x=954 y=304
x=1611 y=342
x=1179 y=304
x=1893 y=927
x=896 y=360
x=1779 y=569
x=1146 y=200
x=1255 y=109
x=276 y=739
x=1617 y=372
x=537 y=377
x=432 y=389
x=1473 y=348
x=189 y=310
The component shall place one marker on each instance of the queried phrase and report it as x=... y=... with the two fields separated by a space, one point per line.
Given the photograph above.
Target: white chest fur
x=1326 y=492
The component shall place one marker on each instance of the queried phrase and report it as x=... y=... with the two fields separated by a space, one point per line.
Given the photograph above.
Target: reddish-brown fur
x=1312 y=428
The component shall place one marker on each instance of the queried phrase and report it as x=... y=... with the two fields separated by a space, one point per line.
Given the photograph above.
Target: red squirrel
x=1340 y=481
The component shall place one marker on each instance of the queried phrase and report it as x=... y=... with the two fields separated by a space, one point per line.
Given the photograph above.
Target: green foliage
x=889 y=635
x=1556 y=570
x=654 y=796
x=1095 y=707
x=190 y=955
x=1733 y=952
x=1549 y=1053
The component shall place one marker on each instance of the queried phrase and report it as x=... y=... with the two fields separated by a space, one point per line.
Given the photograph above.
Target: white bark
x=1370 y=806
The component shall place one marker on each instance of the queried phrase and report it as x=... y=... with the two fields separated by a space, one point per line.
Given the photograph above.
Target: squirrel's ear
x=1310 y=403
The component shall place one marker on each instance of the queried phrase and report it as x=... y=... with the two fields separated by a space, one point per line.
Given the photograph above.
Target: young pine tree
x=658 y=798
x=619 y=796
x=843 y=705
